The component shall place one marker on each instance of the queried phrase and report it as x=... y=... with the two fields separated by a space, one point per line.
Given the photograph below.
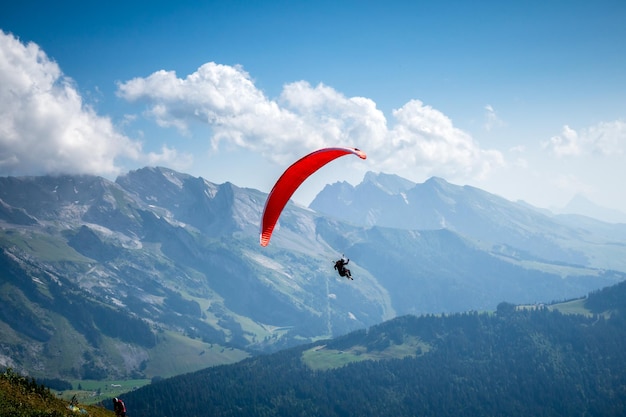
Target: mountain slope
x=178 y=255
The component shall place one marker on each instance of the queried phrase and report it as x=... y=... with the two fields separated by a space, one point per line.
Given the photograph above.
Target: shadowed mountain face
x=160 y=272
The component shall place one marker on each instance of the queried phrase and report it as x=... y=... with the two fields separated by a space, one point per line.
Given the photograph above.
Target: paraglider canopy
x=291 y=179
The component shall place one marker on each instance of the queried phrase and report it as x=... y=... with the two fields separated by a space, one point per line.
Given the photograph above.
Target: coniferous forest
x=514 y=362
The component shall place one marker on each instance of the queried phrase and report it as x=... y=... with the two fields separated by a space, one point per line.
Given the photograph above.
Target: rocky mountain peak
x=390 y=183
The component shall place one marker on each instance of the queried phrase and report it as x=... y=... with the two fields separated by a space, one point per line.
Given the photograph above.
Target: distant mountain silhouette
x=579 y=204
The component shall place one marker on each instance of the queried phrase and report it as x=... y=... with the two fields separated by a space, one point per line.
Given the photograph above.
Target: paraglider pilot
x=340 y=266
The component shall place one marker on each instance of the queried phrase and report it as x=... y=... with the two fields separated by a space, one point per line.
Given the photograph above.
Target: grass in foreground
x=23 y=397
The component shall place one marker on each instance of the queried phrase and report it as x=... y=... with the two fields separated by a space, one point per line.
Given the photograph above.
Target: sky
x=526 y=100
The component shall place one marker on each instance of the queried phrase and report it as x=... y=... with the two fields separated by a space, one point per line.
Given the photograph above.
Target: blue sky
x=526 y=100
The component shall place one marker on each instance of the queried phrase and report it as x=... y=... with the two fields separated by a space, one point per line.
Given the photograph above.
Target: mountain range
x=496 y=224
x=160 y=273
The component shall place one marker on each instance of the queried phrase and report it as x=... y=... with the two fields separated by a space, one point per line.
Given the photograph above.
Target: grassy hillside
x=23 y=397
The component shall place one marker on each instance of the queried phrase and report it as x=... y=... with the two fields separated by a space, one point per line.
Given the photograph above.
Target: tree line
x=513 y=362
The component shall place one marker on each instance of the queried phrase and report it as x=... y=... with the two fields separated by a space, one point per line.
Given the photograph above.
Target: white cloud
x=44 y=125
x=565 y=144
x=425 y=139
x=491 y=118
x=605 y=139
x=169 y=157
x=422 y=141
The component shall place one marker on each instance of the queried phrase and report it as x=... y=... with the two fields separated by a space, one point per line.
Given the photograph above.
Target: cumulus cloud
x=45 y=127
x=604 y=139
x=565 y=144
x=169 y=157
x=421 y=139
x=424 y=137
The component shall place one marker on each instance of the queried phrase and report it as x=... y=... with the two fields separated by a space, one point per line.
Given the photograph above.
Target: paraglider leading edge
x=291 y=179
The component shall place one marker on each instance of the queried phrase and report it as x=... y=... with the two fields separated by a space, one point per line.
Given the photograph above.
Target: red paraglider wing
x=291 y=180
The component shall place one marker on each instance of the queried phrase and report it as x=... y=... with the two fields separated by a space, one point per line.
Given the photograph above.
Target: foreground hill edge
x=25 y=397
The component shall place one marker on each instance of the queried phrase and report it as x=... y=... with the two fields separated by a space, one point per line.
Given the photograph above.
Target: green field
x=320 y=358
x=572 y=307
x=93 y=392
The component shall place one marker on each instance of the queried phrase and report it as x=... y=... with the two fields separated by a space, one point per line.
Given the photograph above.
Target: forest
x=517 y=361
